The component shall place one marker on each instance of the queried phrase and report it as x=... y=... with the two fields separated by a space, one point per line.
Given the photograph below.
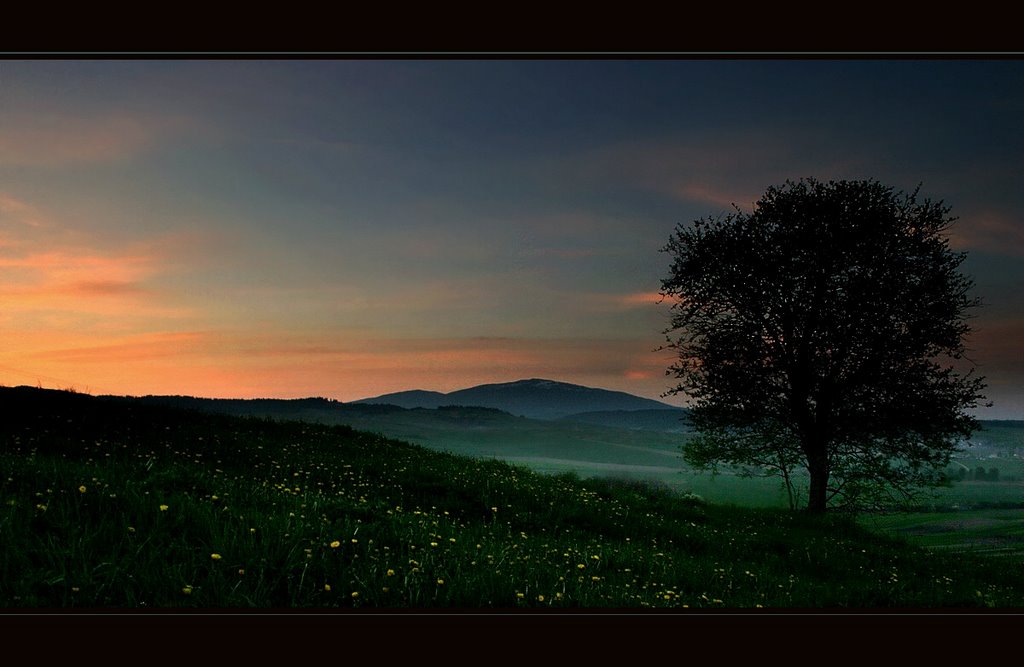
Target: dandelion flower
x=163 y=508
x=440 y=582
x=335 y=544
x=355 y=594
x=215 y=556
x=81 y=489
x=391 y=572
x=540 y=598
x=187 y=590
x=327 y=587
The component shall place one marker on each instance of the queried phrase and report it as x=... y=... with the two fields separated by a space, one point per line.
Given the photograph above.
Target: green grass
x=990 y=532
x=117 y=504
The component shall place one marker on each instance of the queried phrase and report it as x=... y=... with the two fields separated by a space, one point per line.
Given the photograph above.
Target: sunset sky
x=346 y=228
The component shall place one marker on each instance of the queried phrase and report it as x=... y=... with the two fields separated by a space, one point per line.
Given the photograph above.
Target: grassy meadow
x=119 y=504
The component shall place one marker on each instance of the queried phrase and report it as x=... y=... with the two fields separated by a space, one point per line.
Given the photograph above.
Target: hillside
x=120 y=504
x=549 y=446
x=535 y=398
x=659 y=421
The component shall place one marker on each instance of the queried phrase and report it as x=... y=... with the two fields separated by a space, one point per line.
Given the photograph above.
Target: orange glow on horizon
x=238 y=365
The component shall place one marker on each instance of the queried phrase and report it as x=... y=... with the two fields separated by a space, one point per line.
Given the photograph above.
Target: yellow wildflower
x=335 y=544
x=81 y=489
x=215 y=556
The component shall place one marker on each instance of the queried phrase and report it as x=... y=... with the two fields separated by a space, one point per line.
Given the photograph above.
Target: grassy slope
x=589 y=450
x=600 y=449
x=106 y=504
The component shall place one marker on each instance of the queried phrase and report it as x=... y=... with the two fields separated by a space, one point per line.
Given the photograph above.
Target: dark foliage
x=824 y=331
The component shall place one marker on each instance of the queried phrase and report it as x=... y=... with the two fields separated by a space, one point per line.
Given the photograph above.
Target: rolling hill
x=117 y=504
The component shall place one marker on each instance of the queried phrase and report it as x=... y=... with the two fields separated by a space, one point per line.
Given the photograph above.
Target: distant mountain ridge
x=535 y=398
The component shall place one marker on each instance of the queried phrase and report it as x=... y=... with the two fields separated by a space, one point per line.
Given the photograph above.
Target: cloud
x=988 y=231
x=83 y=281
x=140 y=347
x=63 y=140
x=641 y=299
x=52 y=273
x=13 y=210
x=714 y=169
x=605 y=302
x=716 y=196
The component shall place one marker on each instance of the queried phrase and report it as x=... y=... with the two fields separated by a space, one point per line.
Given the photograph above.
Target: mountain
x=535 y=398
x=416 y=398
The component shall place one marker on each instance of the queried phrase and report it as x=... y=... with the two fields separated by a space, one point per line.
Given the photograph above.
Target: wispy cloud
x=18 y=212
x=713 y=169
x=64 y=140
x=46 y=267
x=641 y=299
x=134 y=348
x=989 y=231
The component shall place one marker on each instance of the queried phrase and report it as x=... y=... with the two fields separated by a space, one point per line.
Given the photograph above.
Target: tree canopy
x=825 y=331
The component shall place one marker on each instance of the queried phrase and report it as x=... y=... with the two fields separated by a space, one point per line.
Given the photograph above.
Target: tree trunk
x=817 y=466
x=817 y=497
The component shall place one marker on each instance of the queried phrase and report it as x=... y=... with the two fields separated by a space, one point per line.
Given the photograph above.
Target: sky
x=346 y=228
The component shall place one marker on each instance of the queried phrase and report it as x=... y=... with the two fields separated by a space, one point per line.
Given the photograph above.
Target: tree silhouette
x=824 y=331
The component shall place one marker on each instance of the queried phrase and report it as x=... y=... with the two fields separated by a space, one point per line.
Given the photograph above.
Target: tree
x=824 y=331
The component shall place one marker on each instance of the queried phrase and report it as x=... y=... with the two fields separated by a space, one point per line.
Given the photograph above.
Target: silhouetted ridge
x=536 y=398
